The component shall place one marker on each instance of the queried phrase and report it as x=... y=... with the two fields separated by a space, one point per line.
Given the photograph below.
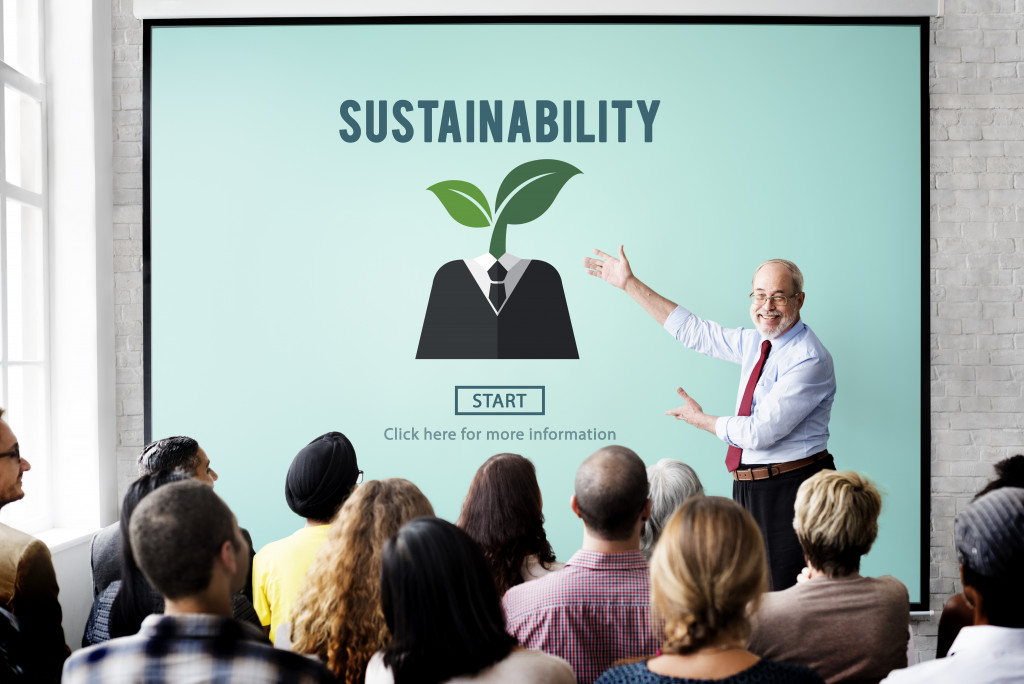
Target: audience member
x=122 y=606
x=28 y=584
x=319 y=480
x=956 y=614
x=672 y=482
x=707 y=571
x=188 y=545
x=503 y=514
x=337 y=617
x=843 y=626
x=170 y=453
x=595 y=611
x=441 y=606
x=989 y=539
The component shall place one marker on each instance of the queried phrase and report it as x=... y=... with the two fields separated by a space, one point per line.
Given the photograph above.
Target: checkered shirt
x=192 y=648
x=592 y=613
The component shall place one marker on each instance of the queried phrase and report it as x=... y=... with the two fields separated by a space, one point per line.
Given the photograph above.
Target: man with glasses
x=28 y=584
x=779 y=435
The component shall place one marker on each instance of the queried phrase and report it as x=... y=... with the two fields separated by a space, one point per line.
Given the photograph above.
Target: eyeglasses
x=13 y=453
x=760 y=298
x=359 y=477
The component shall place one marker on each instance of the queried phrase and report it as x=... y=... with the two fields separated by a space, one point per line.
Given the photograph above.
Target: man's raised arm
x=617 y=272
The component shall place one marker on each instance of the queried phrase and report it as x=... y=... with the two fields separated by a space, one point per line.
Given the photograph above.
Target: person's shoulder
x=810 y=344
x=775 y=671
x=930 y=671
x=280 y=547
x=15 y=540
x=896 y=590
x=632 y=673
x=537 y=666
x=779 y=604
x=295 y=666
x=111 y=656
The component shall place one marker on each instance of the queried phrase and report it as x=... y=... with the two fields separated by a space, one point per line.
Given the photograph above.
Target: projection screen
x=315 y=191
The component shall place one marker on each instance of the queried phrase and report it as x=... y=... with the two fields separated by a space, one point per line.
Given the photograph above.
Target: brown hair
x=707 y=574
x=502 y=513
x=338 y=616
x=836 y=520
x=611 y=492
x=176 y=533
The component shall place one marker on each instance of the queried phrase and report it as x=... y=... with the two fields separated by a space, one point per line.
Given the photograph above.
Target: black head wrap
x=322 y=476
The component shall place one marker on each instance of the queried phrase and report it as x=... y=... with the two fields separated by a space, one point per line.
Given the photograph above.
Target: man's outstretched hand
x=692 y=413
x=614 y=271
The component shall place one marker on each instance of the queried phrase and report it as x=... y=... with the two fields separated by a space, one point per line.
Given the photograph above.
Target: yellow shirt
x=278 y=572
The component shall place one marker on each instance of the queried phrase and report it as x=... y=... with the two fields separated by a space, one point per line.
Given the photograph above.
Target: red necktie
x=732 y=458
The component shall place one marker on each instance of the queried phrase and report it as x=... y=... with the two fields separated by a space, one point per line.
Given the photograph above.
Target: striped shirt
x=192 y=648
x=594 y=612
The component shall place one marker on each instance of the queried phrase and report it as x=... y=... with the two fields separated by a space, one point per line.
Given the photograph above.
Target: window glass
x=23 y=134
x=21 y=36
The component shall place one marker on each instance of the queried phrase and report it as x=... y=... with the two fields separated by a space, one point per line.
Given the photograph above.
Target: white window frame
x=35 y=514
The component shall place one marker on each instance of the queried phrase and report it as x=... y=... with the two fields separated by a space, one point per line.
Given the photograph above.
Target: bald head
x=611 y=491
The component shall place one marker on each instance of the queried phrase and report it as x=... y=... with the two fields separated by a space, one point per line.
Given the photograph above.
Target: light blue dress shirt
x=792 y=400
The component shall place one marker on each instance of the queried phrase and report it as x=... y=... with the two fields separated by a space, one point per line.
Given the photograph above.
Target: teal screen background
x=289 y=270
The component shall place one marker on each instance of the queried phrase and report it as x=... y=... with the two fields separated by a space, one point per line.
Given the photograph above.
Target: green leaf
x=464 y=202
x=530 y=189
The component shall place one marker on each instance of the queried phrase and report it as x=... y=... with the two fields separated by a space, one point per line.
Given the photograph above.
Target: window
x=24 y=249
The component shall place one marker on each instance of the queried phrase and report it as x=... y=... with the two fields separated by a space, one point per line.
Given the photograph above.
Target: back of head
x=1009 y=473
x=134 y=600
x=989 y=536
x=338 y=616
x=671 y=482
x=321 y=477
x=611 y=491
x=170 y=453
x=440 y=604
x=503 y=514
x=708 y=569
x=836 y=520
x=176 y=532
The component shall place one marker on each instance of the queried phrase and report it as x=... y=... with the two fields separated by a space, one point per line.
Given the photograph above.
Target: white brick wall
x=976 y=85
x=127 y=122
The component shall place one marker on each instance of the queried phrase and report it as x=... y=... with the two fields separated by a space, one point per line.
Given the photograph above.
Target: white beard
x=788 y=319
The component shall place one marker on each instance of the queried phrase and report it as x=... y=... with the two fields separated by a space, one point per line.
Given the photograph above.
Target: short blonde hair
x=707 y=574
x=794 y=271
x=836 y=520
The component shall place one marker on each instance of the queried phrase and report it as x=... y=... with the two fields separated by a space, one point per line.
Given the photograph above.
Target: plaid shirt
x=192 y=648
x=592 y=613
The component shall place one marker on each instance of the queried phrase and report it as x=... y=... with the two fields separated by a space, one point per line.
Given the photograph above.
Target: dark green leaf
x=464 y=202
x=530 y=189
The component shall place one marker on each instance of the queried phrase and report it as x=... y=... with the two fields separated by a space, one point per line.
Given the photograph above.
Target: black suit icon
x=530 y=322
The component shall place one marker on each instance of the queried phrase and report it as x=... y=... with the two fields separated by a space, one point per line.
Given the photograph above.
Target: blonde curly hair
x=338 y=616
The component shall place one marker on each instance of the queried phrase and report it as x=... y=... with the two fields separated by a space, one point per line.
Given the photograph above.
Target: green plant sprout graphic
x=526 y=193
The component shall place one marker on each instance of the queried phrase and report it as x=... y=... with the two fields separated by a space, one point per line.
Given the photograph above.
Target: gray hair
x=794 y=271
x=672 y=482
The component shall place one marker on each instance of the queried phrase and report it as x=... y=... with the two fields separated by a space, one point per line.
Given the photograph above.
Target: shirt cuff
x=675 y=320
x=722 y=429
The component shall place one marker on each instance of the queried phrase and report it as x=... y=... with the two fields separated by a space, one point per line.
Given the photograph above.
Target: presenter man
x=779 y=435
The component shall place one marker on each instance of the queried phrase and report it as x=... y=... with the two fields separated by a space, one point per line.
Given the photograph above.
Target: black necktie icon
x=497 y=274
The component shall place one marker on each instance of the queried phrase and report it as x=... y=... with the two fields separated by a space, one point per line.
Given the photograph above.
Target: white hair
x=672 y=482
x=794 y=271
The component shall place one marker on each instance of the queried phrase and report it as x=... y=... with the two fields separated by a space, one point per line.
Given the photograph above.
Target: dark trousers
x=771 y=503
